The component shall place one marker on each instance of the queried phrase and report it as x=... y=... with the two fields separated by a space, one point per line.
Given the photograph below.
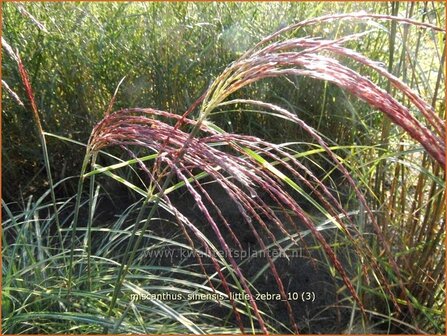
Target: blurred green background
x=76 y=54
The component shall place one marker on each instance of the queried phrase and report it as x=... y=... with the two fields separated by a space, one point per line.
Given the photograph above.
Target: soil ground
x=303 y=271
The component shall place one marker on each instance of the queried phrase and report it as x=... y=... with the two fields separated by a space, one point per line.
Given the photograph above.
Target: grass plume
x=265 y=181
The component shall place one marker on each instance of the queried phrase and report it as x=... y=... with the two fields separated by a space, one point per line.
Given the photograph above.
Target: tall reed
x=174 y=151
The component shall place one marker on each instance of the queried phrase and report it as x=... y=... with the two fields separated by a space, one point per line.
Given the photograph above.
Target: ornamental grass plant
x=368 y=209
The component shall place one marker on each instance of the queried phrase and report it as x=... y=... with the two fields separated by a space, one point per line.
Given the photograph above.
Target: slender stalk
x=40 y=132
x=91 y=205
x=439 y=80
x=74 y=224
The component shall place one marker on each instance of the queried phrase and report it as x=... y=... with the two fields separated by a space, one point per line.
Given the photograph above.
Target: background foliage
x=77 y=53
x=169 y=54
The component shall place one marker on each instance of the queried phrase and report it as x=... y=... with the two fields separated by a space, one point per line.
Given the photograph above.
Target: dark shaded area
x=303 y=271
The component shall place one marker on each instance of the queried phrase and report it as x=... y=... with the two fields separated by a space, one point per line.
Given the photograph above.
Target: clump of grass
x=180 y=153
x=177 y=151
